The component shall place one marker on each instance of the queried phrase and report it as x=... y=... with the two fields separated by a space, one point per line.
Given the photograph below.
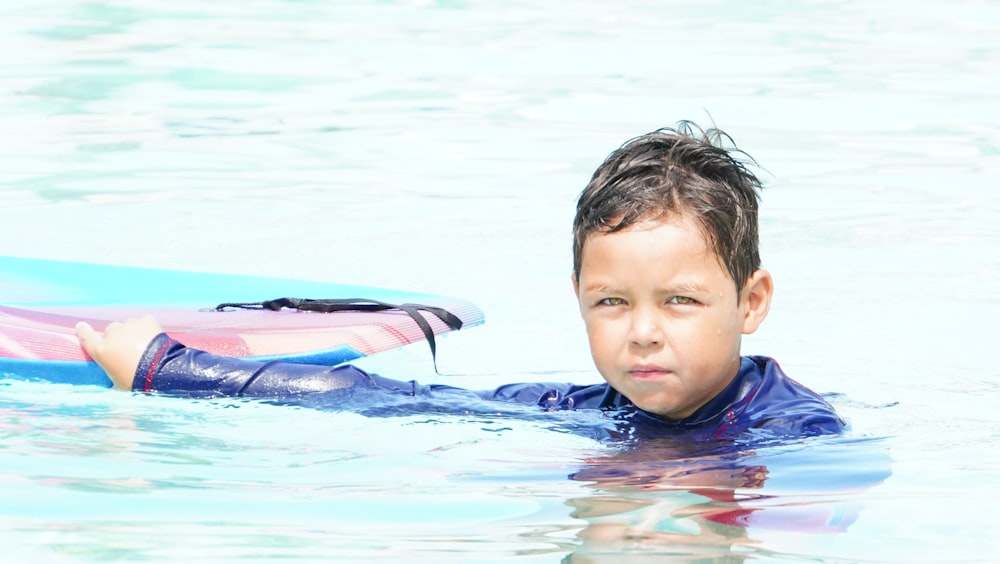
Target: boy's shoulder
x=774 y=401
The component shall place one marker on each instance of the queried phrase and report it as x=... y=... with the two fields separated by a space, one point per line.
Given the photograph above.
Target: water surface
x=438 y=146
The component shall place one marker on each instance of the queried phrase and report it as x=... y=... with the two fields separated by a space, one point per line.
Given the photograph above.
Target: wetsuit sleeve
x=555 y=396
x=168 y=366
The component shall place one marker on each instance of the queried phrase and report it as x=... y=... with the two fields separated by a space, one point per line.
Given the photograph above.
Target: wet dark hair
x=690 y=171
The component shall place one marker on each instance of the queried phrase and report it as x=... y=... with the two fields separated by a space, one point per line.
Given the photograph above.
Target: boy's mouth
x=648 y=372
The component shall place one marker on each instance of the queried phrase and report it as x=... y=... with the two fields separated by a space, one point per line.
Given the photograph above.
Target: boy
x=667 y=274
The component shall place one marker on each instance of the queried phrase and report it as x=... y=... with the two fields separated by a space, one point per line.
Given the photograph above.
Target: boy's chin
x=660 y=410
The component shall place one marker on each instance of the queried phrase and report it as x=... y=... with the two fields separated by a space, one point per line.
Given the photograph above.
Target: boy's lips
x=648 y=372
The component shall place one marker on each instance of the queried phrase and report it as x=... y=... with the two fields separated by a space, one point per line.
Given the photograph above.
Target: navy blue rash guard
x=760 y=397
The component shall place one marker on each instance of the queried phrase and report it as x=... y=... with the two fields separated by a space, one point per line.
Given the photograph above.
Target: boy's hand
x=120 y=348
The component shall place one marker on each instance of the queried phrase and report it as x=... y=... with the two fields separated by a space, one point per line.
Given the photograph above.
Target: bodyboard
x=42 y=300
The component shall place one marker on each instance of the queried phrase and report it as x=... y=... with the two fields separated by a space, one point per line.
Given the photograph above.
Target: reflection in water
x=708 y=500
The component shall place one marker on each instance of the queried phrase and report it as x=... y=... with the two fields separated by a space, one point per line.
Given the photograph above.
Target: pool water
x=438 y=146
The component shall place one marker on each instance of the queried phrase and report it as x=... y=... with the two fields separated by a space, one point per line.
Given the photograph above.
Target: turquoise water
x=438 y=147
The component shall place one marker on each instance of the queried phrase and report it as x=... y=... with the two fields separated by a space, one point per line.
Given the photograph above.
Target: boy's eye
x=681 y=300
x=612 y=301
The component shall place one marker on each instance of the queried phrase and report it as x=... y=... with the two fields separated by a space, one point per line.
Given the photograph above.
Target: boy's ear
x=576 y=284
x=756 y=299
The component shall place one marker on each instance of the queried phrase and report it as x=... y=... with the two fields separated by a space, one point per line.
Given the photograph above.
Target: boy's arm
x=138 y=356
x=556 y=396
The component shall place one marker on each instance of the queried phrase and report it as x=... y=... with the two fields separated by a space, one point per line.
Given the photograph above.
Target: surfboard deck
x=42 y=300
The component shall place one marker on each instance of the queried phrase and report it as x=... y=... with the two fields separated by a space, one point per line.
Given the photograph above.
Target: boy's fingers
x=88 y=337
x=84 y=331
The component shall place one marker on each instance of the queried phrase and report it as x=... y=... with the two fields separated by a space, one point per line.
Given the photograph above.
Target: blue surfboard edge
x=88 y=373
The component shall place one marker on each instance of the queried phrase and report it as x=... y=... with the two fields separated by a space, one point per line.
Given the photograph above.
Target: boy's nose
x=645 y=329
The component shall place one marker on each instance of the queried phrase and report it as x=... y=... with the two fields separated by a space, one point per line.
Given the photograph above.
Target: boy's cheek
x=596 y=334
x=601 y=327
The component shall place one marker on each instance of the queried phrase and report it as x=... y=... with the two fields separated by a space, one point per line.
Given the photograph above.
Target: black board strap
x=334 y=305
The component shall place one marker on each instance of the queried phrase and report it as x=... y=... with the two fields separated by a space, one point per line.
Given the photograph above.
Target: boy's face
x=662 y=314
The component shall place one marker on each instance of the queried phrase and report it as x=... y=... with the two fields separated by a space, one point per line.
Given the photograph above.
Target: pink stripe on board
x=47 y=333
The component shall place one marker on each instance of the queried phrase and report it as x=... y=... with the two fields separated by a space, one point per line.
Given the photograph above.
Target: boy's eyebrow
x=675 y=288
x=602 y=288
x=686 y=288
